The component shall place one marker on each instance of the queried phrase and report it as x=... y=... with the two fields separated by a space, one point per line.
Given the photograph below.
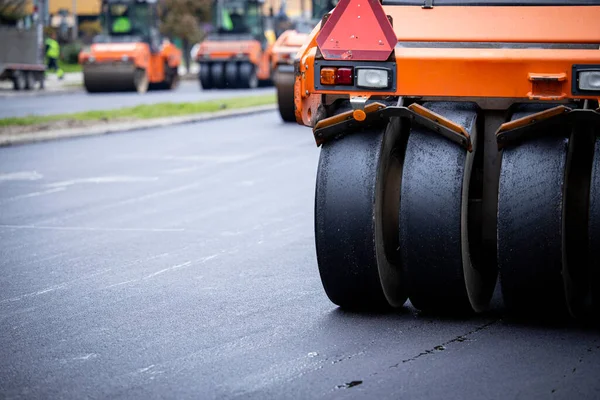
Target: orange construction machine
x=130 y=54
x=285 y=51
x=460 y=141
x=284 y=54
x=236 y=55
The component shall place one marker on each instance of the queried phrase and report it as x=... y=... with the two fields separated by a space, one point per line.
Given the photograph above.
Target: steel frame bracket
x=537 y=124
x=378 y=114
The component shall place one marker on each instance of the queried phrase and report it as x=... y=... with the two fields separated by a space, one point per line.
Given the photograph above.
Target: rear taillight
x=357 y=30
x=333 y=76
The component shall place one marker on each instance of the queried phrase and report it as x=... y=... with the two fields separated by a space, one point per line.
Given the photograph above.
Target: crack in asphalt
x=442 y=347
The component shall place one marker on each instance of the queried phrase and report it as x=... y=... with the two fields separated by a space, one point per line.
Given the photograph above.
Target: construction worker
x=52 y=54
x=122 y=24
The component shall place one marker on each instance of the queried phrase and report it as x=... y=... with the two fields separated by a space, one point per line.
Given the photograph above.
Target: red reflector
x=357 y=30
x=345 y=76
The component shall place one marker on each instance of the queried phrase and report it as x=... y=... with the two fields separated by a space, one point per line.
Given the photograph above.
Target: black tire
x=231 y=75
x=530 y=223
x=204 y=76
x=19 y=80
x=217 y=75
x=90 y=87
x=285 y=95
x=30 y=80
x=440 y=227
x=594 y=231
x=247 y=74
x=356 y=199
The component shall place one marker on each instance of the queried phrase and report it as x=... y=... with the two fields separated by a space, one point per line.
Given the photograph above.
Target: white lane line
x=162 y=271
x=91 y=229
x=125 y=202
x=120 y=284
x=86 y=357
x=104 y=179
x=21 y=176
x=205 y=259
x=142 y=370
x=34 y=194
x=52 y=288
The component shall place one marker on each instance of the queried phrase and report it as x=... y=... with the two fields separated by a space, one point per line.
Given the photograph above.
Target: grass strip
x=146 y=111
x=69 y=67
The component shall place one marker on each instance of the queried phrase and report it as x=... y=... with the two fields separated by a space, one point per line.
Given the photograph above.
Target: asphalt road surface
x=180 y=263
x=32 y=103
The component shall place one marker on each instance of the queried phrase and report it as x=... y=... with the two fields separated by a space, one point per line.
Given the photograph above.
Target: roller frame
x=344 y=124
x=537 y=124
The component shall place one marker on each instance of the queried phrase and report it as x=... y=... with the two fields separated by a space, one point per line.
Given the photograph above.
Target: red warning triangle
x=357 y=30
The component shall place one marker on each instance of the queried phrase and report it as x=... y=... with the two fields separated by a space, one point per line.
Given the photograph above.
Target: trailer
x=22 y=53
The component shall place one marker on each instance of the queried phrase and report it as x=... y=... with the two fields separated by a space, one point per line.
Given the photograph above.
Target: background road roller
x=237 y=55
x=130 y=54
x=460 y=142
x=285 y=50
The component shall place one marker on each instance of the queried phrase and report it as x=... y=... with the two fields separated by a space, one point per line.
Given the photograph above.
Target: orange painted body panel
x=138 y=53
x=286 y=47
x=512 y=73
x=545 y=24
x=216 y=50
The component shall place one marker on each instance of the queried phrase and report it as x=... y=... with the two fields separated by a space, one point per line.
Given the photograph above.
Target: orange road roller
x=130 y=54
x=460 y=150
x=282 y=63
x=236 y=55
x=285 y=52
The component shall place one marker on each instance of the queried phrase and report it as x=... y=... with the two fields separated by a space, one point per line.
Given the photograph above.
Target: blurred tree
x=13 y=10
x=181 y=19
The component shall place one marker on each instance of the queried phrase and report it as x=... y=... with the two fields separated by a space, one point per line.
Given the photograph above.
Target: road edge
x=120 y=127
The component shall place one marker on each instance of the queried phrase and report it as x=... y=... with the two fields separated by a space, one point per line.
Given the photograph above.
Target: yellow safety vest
x=53 y=48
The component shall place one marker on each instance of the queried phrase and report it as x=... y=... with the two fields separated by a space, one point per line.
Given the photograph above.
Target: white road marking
x=52 y=288
x=91 y=229
x=21 y=176
x=86 y=356
x=142 y=370
x=34 y=194
x=162 y=271
x=121 y=284
x=104 y=179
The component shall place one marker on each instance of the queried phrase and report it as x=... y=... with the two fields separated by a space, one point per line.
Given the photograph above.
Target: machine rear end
x=285 y=53
x=460 y=142
x=130 y=54
x=236 y=55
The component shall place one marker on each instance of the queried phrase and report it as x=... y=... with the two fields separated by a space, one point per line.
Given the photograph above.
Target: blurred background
x=77 y=22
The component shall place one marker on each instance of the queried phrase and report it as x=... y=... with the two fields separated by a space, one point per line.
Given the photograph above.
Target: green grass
x=69 y=67
x=145 y=111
